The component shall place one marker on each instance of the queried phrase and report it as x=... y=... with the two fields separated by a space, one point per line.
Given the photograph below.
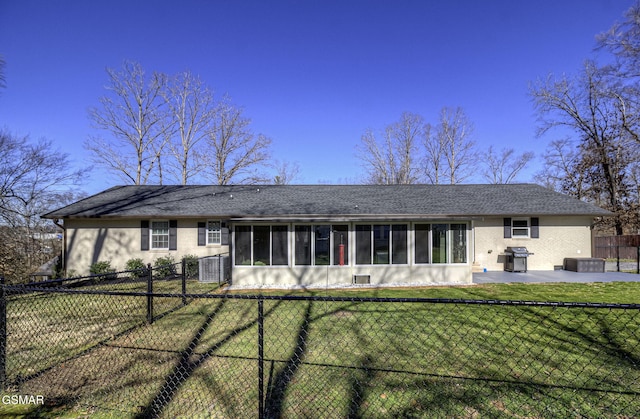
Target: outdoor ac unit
x=362 y=279
x=214 y=269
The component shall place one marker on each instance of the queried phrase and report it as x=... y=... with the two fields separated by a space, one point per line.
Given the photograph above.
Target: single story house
x=329 y=235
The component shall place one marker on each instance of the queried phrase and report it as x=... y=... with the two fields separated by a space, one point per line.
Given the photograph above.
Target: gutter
x=350 y=218
x=56 y=221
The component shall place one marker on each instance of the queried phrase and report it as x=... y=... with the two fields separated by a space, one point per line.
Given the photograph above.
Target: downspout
x=56 y=221
x=473 y=243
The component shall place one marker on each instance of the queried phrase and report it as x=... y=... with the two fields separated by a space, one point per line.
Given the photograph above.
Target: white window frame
x=312 y=243
x=527 y=228
x=332 y=242
x=390 y=244
x=450 y=245
x=211 y=233
x=252 y=246
x=449 y=237
x=152 y=235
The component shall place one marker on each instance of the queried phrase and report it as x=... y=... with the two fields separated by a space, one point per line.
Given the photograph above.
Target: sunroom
x=344 y=253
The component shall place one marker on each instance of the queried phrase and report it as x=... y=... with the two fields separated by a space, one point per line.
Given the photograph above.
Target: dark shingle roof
x=290 y=201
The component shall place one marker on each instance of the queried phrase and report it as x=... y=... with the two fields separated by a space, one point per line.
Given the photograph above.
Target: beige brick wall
x=560 y=237
x=89 y=241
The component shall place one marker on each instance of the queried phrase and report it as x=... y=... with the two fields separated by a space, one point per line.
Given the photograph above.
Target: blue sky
x=312 y=75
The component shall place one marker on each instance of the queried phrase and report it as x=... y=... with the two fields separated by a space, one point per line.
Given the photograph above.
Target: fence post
x=184 y=281
x=260 y=358
x=220 y=269
x=149 y=294
x=3 y=336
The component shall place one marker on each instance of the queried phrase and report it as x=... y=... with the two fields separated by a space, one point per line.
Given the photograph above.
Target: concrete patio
x=533 y=277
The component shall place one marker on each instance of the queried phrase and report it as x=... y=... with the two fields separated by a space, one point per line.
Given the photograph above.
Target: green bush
x=103 y=269
x=164 y=267
x=71 y=273
x=191 y=266
x=136 y=267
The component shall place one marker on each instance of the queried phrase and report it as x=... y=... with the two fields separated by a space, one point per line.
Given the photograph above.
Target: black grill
x=516 y=259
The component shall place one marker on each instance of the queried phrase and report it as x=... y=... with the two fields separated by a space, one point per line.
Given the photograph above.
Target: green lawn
x=96 y=355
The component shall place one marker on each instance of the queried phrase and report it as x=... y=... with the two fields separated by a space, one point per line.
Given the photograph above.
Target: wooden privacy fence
x=613 y=247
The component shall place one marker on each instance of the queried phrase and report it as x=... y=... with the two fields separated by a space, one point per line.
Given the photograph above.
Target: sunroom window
x=320 y=244
x=261 y=245
x=422 y=243
x=440 y=243
x=459 y=243
x=381 y=244
x=303 y=245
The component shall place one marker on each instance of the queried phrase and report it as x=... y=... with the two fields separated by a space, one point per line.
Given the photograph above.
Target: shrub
x=103 y=269
x=164 y=266
x=136 y=267
x=191 y=266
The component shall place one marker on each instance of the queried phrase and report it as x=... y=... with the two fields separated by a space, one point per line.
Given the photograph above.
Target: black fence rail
x=87 y=350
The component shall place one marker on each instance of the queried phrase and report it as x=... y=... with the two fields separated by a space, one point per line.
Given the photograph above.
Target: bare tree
x=453 y=133
x=561 y=169
x=132 y=115
x=3 y=81
x=504 y=167
x=395 y=160
x=286 y=172
x=590 y=107
x=374 y=159
x=158 y=124
x=191 y=111
x=632 y=218
x=34 y=178
x=435 y=147
x=238 y=153
x=623 y=40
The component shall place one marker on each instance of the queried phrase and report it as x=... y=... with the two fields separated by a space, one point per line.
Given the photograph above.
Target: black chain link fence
x=109 y=347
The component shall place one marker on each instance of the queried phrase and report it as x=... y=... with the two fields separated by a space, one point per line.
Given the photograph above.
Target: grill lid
x=518 y=251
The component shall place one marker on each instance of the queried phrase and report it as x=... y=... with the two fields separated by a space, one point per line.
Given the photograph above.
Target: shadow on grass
x=359 y=384
x=97 y=345
x=277 y=387
x=189 y=361
x=51 y=408
x=421 y=393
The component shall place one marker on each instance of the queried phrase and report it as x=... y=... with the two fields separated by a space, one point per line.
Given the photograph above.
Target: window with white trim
x=159 y=234
x=214 y=232
x=520 y=228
